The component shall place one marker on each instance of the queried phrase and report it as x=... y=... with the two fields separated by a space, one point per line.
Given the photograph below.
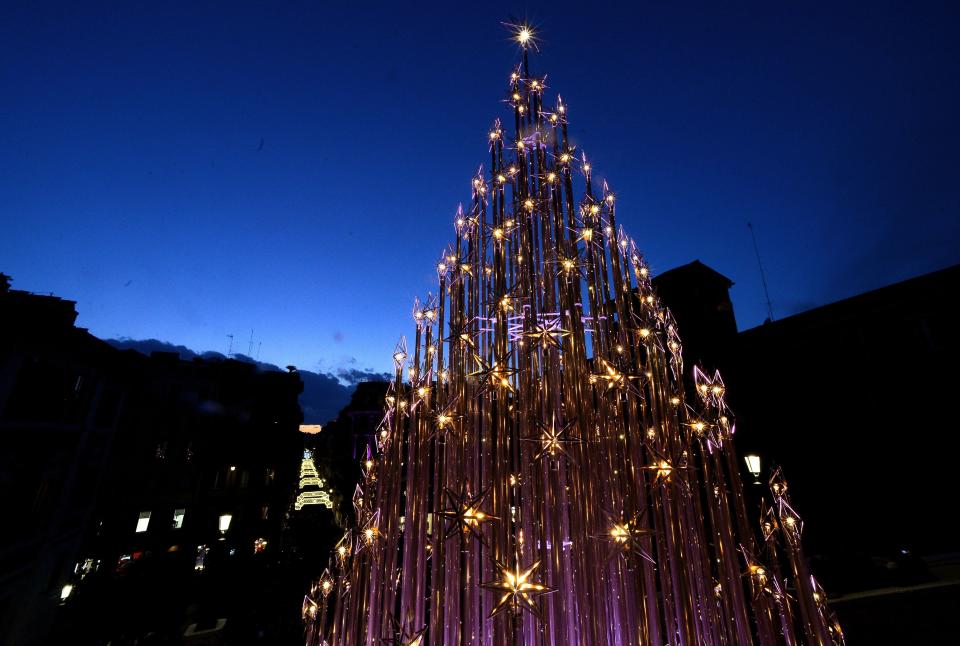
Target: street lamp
x=753 y=466
x=225 y=522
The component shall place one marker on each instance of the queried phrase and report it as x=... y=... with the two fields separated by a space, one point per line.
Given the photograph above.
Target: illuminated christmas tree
x=541 y=474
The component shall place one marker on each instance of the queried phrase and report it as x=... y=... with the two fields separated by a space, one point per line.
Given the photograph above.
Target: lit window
x=178 y=515
x=143 y=521
x=225 y=522
x=200 y=563
x=65 y=592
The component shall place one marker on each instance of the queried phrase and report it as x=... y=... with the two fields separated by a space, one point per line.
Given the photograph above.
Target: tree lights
x=549 y=378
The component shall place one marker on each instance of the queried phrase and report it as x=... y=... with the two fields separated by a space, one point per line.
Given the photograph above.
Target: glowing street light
x=753 y=466
x=225 y=522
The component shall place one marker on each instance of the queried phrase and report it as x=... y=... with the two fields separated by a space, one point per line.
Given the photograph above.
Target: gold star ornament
x=517 y=588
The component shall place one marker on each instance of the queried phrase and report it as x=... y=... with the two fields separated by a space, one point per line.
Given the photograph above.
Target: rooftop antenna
x=250 y=345
x=259 y=345
x=230 y=350
x=763 y=277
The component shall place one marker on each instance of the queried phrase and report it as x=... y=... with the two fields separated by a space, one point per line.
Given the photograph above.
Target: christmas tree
x=547 y=471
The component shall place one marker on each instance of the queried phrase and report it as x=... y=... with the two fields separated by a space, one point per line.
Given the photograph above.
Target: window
x=178 y=515
x=143 y=522
x=200 y=563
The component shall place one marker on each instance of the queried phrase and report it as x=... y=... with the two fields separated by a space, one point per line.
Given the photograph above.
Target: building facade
x=62 y=393
x=151 y=494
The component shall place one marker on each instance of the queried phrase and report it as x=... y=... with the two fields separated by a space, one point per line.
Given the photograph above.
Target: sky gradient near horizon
x=188 y=171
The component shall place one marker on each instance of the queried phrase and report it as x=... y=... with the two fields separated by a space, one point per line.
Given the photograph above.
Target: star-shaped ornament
x=551 y=440
x=462 y=336
x=422 y=388
x=517 y=588
x=495 y=376
x=663 y=468
x=626 y=535
x=401 y=637
x=500 y=233
x=614 y=381
x=570 y=266
x=445 y=421
x=509 y=302
x=464 y=513
x=548 y=334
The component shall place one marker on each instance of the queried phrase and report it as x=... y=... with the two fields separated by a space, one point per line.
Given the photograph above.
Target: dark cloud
x=323 y=396
x=324 y=393
x=353 y=376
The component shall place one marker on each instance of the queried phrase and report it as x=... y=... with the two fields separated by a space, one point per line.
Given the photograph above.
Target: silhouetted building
x=840 y=391
x=200 y=483
x=150 y=493
x=62 y=392
x=699 y=298
x=851 y=398
x=855 y=400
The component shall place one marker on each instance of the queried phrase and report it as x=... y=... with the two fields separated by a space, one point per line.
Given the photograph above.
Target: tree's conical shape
x=542 y=475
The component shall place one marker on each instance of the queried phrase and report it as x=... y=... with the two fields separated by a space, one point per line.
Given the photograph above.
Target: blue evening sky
x=189 y=170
